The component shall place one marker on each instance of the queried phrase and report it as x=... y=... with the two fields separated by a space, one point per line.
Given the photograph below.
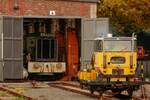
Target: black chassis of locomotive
x=102 y=86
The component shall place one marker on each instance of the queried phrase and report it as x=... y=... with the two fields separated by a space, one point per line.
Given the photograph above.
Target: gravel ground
x=54 y=94
x=49 y=93
x=147 y=90
x=44 y=92
x=6 y=96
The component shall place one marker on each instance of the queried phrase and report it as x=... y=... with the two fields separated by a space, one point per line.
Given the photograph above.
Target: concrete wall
x=43 y=7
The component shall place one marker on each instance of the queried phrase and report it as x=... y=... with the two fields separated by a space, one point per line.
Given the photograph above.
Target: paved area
x=44 y=92
x=55 y=94
x=147 y=90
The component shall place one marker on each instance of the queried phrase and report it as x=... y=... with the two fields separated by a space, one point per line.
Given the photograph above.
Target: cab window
x=117 y=60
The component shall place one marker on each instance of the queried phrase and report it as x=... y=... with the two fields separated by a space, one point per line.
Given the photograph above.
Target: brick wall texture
x=42 y=7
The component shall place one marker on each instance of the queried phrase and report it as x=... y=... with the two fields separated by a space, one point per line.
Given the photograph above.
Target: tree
x=126 y=16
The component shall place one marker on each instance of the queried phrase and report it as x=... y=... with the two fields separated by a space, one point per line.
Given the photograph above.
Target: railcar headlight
x=84 y=70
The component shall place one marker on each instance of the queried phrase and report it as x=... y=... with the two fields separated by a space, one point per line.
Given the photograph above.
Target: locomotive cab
x=114 y=66
x=119 y=59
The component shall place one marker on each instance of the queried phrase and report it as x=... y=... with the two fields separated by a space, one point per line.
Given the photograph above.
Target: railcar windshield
x=118 y=45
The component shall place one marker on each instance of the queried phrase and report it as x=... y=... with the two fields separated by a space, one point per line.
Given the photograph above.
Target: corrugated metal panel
x=1 y=25
x=146 y=65
x=8 y=21
x=1 y=49
x=91 y=28
x=102 y=27
x=146 y=69
x=1 y=31
x=1 y=58
x=7 y=48
x=13 y=47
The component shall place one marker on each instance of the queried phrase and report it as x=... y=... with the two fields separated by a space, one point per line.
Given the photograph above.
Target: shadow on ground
x=122 y=97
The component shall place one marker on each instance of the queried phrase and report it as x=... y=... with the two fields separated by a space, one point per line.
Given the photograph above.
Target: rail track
x=72 y=87
x=14 y=93
x=68 y=86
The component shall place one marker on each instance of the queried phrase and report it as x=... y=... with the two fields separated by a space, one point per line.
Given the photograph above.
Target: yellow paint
x=99 y=66
x=84 y=75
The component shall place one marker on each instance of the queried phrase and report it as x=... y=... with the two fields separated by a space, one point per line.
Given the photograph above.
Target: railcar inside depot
x=51 y=44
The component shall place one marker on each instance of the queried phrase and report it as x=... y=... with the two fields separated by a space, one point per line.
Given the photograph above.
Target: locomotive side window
x=117 y=60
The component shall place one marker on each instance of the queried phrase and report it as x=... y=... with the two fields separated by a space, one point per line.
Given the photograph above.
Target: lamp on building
x=16 y=6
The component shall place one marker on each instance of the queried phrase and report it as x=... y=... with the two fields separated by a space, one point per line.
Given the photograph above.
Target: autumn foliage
x=126 y=16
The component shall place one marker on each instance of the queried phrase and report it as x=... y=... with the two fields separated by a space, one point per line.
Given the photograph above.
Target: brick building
x=84 y=8
x=44 y=29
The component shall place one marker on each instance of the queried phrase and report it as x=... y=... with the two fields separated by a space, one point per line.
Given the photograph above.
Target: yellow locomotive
x=114 y=66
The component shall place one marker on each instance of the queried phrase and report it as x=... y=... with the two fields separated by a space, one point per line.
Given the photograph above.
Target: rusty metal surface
x=35 y=67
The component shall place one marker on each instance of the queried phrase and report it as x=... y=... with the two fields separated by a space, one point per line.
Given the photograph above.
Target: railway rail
x=71 y=87
x=68 y=86
x=14 y=93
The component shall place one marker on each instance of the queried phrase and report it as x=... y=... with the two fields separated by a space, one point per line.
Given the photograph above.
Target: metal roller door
x=91 y=28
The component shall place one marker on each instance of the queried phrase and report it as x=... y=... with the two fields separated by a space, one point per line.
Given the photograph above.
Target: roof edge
x=90 y=1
